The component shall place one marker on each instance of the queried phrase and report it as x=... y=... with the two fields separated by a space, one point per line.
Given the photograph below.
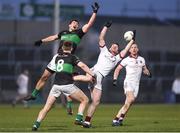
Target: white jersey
x=22 y=82
x=106 y=61
x=133 y=68
x=176 y=86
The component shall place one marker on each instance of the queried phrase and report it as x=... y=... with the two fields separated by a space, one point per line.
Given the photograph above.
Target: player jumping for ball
x=107 y=60
x=74 y=35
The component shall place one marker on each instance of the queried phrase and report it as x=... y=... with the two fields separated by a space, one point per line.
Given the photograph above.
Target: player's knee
x=86 y=100
x=131 y=100
x=96 y=102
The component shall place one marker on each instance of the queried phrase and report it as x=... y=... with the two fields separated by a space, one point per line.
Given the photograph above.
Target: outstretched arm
x=84 y=78
x=85 y=68
x=126 y=49
x=50 y=38
x=47 y=39
x=91 y=21
x=103 y=33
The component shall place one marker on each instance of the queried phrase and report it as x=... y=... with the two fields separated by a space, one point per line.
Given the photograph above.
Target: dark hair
x=67 y=45
x=116 y=43
x=73 y=20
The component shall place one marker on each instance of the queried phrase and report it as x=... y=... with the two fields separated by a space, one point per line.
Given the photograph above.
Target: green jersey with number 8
x=63 y=65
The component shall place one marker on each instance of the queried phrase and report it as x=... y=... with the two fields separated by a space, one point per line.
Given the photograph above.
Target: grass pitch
x=141 y=118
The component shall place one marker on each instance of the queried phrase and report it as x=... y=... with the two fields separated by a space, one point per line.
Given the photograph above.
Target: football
x=128 y=35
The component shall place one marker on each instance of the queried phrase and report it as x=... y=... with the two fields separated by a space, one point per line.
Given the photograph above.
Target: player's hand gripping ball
x=128 y=35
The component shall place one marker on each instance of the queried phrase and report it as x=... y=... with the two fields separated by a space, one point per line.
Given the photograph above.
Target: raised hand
x=108 y=24
x=95 y=7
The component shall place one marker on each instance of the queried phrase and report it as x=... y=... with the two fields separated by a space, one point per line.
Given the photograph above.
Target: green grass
x=154 y=118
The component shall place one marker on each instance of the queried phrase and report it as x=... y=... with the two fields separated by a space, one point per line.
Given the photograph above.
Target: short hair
x=67 y=45
x=73 y=20
x=116 y=43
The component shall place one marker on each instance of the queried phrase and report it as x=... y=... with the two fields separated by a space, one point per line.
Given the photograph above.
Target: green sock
x=35 y=92
x=79 y=117
x=37 y=124
x=69 y=104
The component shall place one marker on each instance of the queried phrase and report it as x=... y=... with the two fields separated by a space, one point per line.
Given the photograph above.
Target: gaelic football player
x=73 y=34
x=107 y=60
x=135 y=65
x=62 y=65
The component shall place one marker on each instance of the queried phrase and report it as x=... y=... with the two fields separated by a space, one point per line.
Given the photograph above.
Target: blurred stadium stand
x=157 y=42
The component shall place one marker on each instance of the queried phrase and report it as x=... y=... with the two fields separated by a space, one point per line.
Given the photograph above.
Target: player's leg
x=63 y=100
x=75 y=93
x=83 y=99
x=96 y=96
x=19 y=98
x=15 y=100
x=51 y=67
x=42 y=114
x=96 y=93
x=40 y=84
x=42 y=81
x=84 y=78
x=69 y=105
x=130 y=98
x=54 y=93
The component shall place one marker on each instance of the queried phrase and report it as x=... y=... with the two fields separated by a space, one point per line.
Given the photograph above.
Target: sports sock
x=88 y=118
x=79 y=117
x=37 y=124
x=122 y=117
x=35 y=92
x=69 y=104
x=116 y=118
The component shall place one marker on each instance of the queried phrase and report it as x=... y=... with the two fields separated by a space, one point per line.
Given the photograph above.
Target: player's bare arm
x=103 y=33
x=117 y=71
x=85 y=68
x=116 y=74
x=83 y=78
x=91 y=21
x=47 y=39
x=50 y=38
x=146 y=71
x=126 y=49
x=101 y=37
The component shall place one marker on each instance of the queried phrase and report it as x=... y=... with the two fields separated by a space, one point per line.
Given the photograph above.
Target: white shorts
x=52 y=64
x=131 y=86
x=99 y=79
x=65 y=89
